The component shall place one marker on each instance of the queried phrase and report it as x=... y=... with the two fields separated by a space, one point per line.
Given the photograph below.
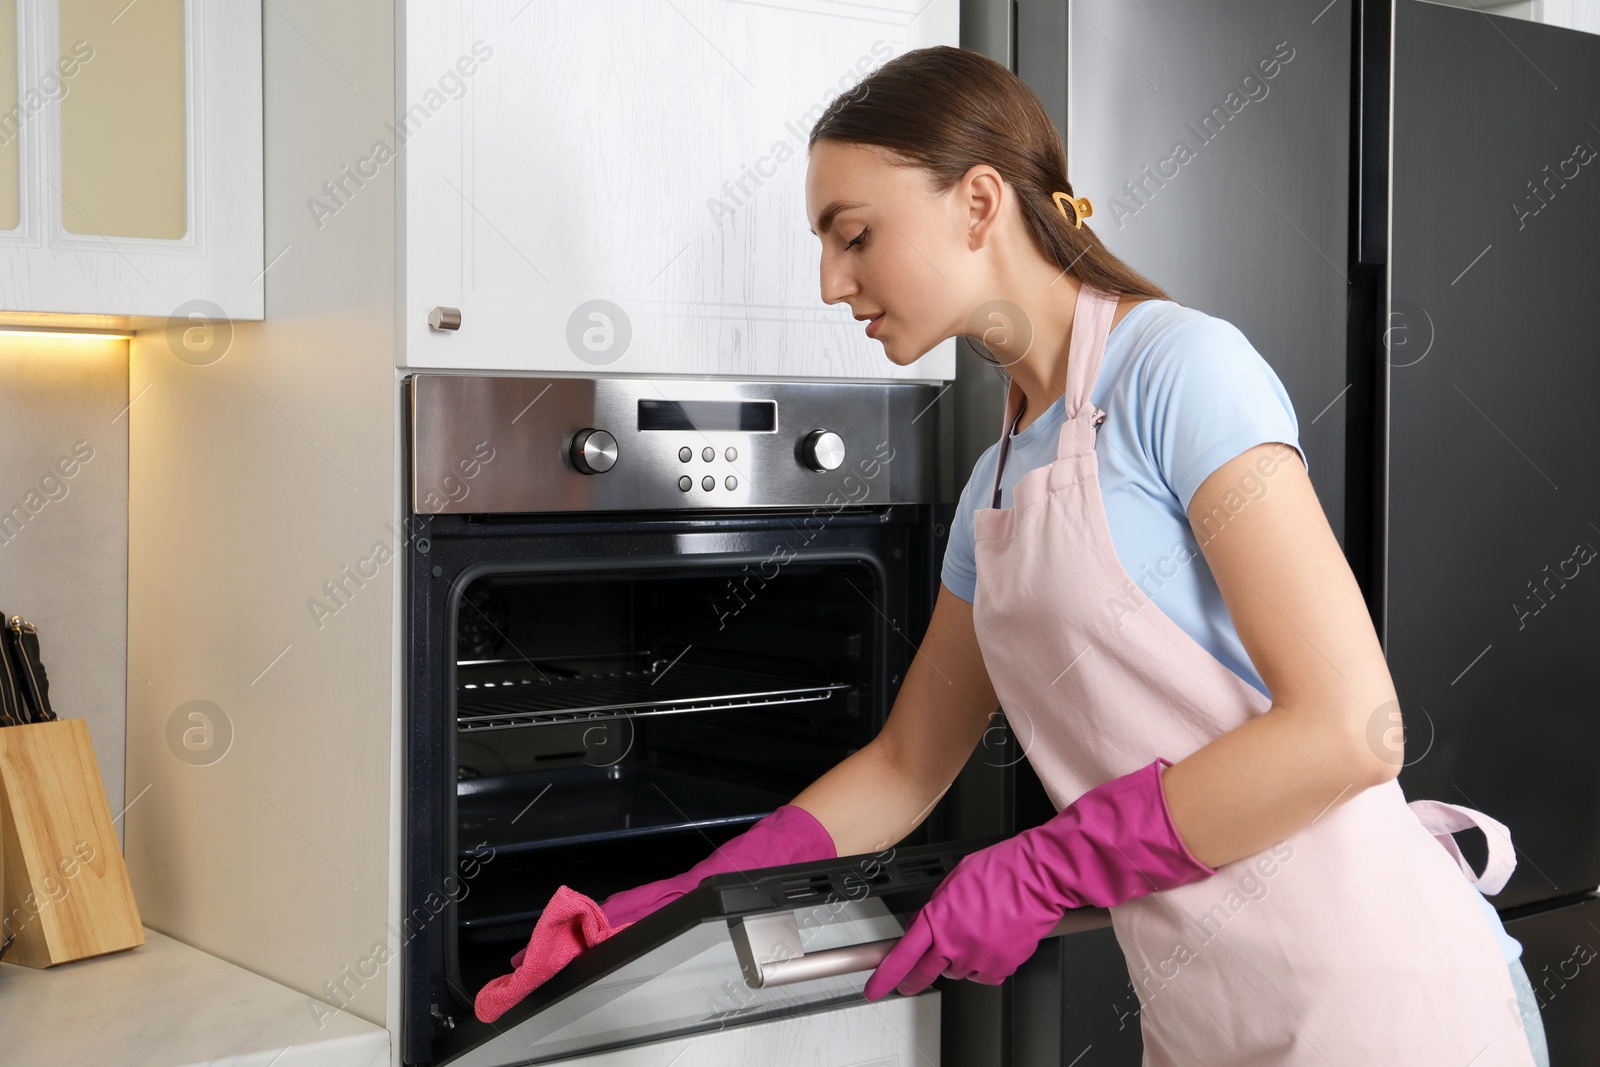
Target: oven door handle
x=782 y=960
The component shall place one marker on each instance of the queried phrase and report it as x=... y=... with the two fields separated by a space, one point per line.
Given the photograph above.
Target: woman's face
x=893 y=249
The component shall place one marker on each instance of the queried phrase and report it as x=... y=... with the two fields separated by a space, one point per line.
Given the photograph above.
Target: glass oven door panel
x=721 y=955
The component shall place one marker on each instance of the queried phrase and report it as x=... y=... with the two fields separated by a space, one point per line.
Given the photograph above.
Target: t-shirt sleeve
x=1210 y=396
x=960 y=570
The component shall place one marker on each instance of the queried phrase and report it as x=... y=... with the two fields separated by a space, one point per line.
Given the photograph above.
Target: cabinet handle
x=783 y=962
x=443 y=318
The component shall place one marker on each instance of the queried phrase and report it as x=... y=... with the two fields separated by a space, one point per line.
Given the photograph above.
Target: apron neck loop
x=1091 y=325
x=1014 y=399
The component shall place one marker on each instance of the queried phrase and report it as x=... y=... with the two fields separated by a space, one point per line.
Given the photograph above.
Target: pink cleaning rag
x=570 y=923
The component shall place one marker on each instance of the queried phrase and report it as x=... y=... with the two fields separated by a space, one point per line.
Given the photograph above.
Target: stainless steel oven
x=642 y=613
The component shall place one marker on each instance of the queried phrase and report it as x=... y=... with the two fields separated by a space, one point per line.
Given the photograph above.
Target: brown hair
x=948 y=109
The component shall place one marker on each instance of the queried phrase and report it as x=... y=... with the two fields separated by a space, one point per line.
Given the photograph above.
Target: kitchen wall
x=64 y=525
x=262 y=474
x=1573 y=14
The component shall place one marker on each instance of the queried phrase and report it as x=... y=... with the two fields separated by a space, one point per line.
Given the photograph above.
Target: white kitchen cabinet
x=130 y=157
x=619 y=188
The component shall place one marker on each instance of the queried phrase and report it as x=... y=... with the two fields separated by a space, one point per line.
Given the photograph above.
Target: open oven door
x=741 y=948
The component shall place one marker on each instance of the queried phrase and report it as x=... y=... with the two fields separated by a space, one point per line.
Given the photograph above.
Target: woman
x=1219 y=735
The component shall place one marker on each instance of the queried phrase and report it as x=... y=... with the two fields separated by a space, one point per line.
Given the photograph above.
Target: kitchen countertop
x=165 y=1004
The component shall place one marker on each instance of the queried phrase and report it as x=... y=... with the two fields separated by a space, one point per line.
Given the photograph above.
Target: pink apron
x=1354 y=941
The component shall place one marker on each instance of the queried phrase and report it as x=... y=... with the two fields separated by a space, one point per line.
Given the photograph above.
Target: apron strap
x=1091 y=323
x=1091 y=326
x=1441 y=820
x=1014 y=399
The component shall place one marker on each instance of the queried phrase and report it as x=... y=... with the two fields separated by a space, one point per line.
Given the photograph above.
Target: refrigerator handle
x=783 y=961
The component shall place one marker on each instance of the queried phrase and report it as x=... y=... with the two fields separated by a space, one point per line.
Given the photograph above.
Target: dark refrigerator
x=1493 y=463
x=1404 y=219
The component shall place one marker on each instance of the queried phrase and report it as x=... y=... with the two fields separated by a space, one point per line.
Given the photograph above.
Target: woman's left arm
x=1332 y=730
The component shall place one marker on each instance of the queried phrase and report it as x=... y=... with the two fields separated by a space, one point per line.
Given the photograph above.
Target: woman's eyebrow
x=825 y=220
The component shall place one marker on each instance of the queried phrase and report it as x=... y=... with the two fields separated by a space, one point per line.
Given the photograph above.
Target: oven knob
x=594 y=451
x=822 y=450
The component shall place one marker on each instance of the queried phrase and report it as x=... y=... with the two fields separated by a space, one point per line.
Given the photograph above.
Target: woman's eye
x=857 y=240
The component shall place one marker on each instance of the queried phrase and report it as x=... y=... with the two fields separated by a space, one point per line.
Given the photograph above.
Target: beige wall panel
x=64 y=536
x=260 y=467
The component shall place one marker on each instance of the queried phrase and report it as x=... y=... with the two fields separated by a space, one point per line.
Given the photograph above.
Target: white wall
x=1573 y=14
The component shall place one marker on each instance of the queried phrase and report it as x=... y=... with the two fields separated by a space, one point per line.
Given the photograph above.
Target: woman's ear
x=982 y=194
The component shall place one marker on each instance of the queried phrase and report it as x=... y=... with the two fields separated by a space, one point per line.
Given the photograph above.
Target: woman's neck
x=1042 y=372
x=1029 y=328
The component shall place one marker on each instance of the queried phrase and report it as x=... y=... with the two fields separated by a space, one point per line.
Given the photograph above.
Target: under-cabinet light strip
x=64 y=331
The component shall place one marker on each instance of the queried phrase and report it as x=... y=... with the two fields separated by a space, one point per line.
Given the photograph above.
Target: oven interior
x=612 y=728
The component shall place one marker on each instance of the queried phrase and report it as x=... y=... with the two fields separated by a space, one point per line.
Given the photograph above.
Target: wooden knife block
x=64 y=889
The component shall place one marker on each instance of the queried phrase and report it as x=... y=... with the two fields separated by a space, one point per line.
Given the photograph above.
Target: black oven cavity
x=599 y=703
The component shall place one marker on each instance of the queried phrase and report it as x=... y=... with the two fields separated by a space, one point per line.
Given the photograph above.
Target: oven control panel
x=513 y=444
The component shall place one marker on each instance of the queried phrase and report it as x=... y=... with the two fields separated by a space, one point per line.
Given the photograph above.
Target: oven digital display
x=751 y=416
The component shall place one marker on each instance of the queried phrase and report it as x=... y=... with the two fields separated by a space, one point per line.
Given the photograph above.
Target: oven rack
x=600 y=807
x=531 y=698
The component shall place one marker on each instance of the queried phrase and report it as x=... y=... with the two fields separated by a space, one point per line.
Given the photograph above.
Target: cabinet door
x=130 y=157
x=610 y=187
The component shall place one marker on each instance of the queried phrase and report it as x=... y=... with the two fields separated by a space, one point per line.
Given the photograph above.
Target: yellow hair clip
x=1081 y=208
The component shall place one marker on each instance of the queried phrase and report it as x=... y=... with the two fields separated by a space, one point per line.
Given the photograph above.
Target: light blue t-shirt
x=1183 y=393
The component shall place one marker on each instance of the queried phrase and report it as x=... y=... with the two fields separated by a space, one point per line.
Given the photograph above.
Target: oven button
x=594 y=451
x=708 y=453
x=685 y=453
x=686 y=483
x=730 y=455
x=822 y=450
x=731 y=482
x=708 y=483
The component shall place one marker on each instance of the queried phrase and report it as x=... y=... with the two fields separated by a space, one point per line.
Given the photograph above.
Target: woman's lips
x=872 y=324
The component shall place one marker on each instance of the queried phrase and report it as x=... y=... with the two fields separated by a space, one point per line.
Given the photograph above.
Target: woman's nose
x=836 y=284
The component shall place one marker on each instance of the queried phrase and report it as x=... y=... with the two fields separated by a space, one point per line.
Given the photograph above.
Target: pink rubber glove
x=1114 y=843
x=790 y=834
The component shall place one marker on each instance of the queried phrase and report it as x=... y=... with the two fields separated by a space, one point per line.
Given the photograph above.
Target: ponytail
x=946 y=110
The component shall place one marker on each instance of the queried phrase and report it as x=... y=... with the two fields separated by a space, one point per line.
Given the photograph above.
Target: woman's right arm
x=881 y=792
